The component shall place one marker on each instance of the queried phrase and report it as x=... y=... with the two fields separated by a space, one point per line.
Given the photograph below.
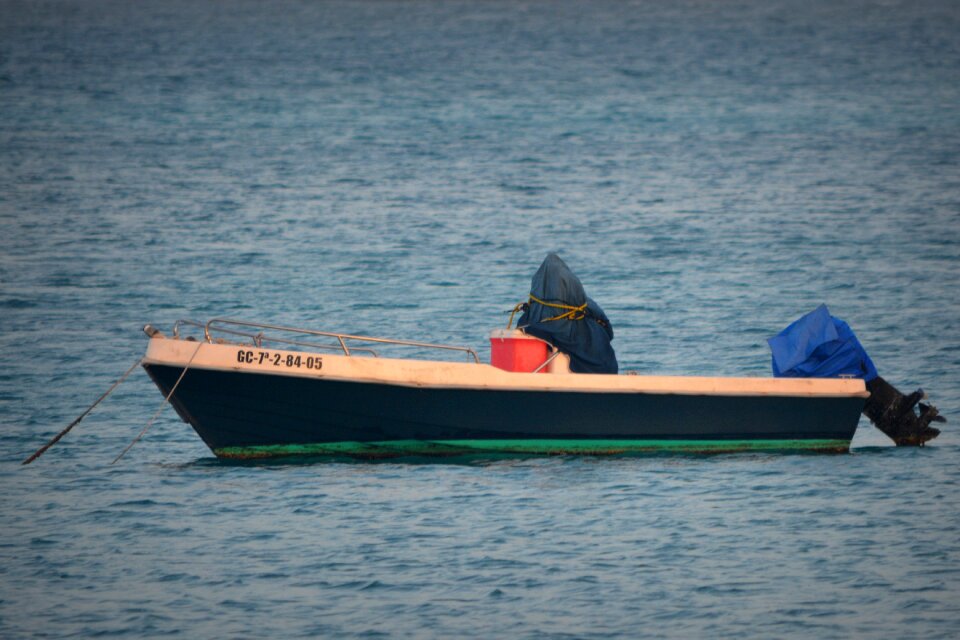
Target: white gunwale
x=467 y=375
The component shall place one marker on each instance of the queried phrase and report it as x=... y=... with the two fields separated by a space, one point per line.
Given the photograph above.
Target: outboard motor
x=893 y=413
x=819 y=345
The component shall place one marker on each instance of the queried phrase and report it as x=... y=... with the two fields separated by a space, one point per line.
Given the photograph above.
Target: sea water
x=710 y=170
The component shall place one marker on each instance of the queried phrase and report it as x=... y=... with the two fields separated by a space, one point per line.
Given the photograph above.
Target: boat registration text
x=287 y=360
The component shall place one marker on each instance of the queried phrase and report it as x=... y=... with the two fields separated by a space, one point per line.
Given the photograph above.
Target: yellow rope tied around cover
x=570 y=312
x=513 y=312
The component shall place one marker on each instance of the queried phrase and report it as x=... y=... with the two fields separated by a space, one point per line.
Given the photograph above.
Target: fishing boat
x=249 y=397
x=552 y=386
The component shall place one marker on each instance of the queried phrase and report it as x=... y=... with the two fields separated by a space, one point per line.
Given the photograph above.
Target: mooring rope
x=39 y=452
x=162 y=405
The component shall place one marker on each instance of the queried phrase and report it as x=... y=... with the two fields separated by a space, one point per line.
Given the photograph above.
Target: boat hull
x=244 y=411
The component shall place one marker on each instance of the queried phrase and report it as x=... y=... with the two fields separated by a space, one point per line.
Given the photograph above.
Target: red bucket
x=513 y=350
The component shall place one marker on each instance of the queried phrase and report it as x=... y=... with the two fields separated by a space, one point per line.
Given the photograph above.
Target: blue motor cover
x=819 y=345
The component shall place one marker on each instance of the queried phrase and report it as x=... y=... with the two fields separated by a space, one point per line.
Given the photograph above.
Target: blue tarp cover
x=584 y=336
x=819 y=345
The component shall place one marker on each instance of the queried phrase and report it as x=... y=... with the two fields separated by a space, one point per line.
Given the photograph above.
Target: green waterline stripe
x=395 y=448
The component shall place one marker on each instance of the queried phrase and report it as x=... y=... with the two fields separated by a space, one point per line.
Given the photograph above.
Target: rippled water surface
x=711 y=170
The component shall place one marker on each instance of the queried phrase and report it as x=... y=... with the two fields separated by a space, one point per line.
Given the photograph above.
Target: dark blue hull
x=255 y=414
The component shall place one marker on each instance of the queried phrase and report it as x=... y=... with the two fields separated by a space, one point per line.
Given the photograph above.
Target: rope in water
x=39 y=452
x=162 y=405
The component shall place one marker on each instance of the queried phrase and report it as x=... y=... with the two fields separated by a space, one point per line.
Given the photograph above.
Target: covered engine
x=819 y=345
